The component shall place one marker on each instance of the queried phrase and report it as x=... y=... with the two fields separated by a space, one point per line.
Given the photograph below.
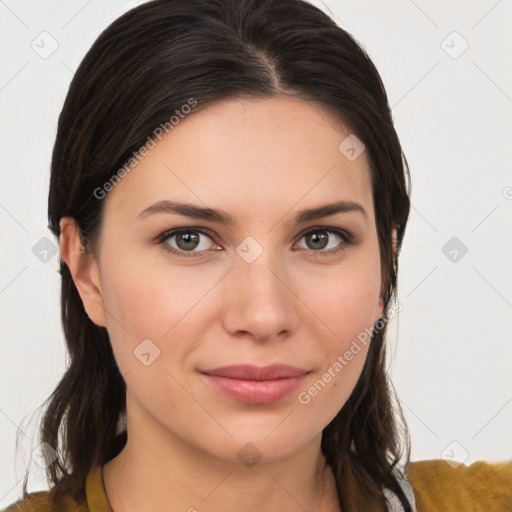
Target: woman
x=230 y=199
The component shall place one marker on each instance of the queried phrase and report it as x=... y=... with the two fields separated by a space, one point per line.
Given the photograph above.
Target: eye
x=186 y=240
x=320 y=238
x=191 y=242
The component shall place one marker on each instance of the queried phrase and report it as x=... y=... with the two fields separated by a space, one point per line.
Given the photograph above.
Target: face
x=269 y=287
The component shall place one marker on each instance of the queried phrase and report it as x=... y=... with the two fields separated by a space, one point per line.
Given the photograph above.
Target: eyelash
x=347 y=240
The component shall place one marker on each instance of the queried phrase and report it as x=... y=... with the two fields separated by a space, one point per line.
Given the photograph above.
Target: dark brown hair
x=140 y=70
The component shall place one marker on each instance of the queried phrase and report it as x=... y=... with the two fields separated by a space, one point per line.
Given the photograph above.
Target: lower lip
x=255 y=391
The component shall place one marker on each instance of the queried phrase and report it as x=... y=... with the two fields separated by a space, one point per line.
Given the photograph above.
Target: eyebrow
x=222 y=217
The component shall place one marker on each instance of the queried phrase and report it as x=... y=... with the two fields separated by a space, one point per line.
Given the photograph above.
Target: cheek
x=152 y=302
x=135 y=300
x=147 y=299
x=347 y=310
x=345 y=303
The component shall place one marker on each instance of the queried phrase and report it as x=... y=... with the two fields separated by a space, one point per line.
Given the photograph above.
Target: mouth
x=255 y=385
x=253 y=372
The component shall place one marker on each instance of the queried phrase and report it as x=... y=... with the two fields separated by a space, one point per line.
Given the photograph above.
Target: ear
x=380 y=307
x=84 y=270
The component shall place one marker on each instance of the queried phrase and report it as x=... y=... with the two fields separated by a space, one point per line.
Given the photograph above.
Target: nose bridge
x=260 y=301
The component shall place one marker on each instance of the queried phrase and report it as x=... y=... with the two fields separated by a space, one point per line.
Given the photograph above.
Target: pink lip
x=256 y=385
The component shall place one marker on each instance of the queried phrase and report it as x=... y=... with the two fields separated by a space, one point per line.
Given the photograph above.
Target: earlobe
x=84 y=270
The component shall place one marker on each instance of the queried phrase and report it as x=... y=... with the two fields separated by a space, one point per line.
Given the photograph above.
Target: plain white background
x=446 y=68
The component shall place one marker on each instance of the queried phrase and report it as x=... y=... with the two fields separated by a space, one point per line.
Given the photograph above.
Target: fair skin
x=262 y=161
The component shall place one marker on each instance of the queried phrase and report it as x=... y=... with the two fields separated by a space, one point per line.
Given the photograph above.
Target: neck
x=162 y=472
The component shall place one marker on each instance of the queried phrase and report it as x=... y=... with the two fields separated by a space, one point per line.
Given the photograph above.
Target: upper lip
x=253 y=372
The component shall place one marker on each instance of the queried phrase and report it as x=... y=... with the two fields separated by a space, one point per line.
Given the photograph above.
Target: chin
x=256 y=446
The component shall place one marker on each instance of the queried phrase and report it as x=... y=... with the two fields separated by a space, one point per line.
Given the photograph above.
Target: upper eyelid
x=174 y=231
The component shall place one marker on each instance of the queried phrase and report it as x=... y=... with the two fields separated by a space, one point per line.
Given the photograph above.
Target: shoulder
x=44 y=501
x=60 y=499
x=440 y=486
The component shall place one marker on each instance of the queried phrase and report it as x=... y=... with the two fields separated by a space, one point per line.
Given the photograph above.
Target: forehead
x=248 y=155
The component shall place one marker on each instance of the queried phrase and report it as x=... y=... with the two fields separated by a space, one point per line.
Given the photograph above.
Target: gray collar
x=392 y=502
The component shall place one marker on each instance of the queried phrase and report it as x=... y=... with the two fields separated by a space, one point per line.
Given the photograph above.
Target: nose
x=259 y=299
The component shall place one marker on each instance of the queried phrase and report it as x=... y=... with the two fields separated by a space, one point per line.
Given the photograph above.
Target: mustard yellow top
x=438 y=487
